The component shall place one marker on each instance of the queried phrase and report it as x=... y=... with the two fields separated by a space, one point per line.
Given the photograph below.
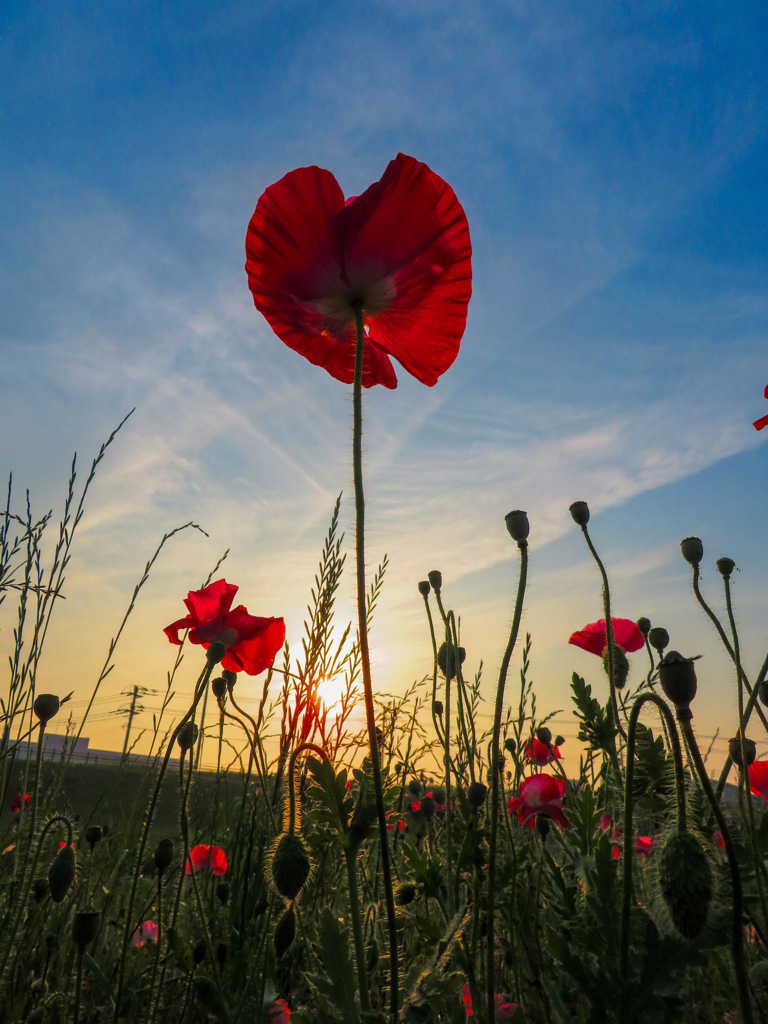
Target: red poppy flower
x=402 y=249
x=212 y=857
x=416 y=806
x=16 y=802
x=62 y=844
x=643 y=844
x=504 y=1009
x=439 y=808
x=758 y=778
x=763 y=421
x=146 y=932
x=540 y=753
x=400 y=826
x=278 y=1013
x=720 y=840
x=252 y=643
x=539 y=794
x=592 y=638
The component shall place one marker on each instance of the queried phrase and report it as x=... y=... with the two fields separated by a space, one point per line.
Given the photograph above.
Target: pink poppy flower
x=504 y=1009
x=539 y=794
x=146 y=932
x=592 y=638
x=212 y=857
x=536 y=752
x=278 y=1013
x=252 y=643
x=16 y=802
x=402 y=249
x=763 y=421
x=758 y=778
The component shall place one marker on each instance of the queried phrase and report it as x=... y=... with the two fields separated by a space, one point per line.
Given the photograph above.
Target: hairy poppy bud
x=86 y=925
x=290 y=865
x=93 y=835
x=644 y=625
x=163 y=855
x=405 y=894
x=187 y=736
x=438 y=794
x=46 y=706
x=692 y=549
x=725 y=567
x=620 y=666
x=437 y=707
x=219 y=687
x=436 y=580
x=677 y=676
x=428 y=807
x=559 y=741
x=686 y=882
x=476 y=795
x=544 y=735
x=222 y=892
x=414 y=786
x=61 y=873
x=518 y=526
x=424 y=588
x=39 y=889
x=734 y=749
x=658 y=638
x=229 y=677
x=579 y=513
x=446 y=660
x=198 y=952
x=285 y=933
x=509 y=745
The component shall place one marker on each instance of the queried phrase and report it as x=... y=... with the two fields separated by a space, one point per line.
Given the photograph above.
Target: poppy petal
x=172 y=631
x=762 y=422
x=627 y=635
x=210 y=602
x=591 y=638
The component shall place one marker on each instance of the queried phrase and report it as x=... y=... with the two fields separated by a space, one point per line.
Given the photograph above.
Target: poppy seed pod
x=725 y=567
x=94 y=834
x=219 y=687
x=229 y=677
x=579 y=513
x=435 y=579
x=290 y=865
x=187 y=736
x=285 y=933
x=518 y=525
x=544 y=735
x=692 y=549
x=86 y=925
x=644 y=625
x=446 y=660
x=61 y=873
x=677 y=676
x=734 y=749
x=686 y=882
x=658 y=638
x=424 y=588
x=437 y=708
x=476 y=794
x=46 y=706
x=405 y=894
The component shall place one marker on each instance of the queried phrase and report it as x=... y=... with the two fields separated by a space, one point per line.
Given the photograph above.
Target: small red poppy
x=539 y=794
x=763 y=421
x=62 y=844
x=16 y=802
x=400 y=826
x=593 y=637
x=416 y=806
x=536 y=752
x=720 y=840
x=504 y=1009
x=252 y=643
x=439 y=808
x=146 y=932
x=278 y=1013
x=402 y=249
x=643 y=845
x=208 y=857
x=758 y=778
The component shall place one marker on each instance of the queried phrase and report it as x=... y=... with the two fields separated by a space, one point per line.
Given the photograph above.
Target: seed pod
x=692 y=549
x=644 y=625
x=579 y=513
x=163 y=855
x=216 y=651
x=424 y=588
x=734 y=749
x=290 y=865
x=686 y=882
x=285 y=933
x=94 y=834
x=187 y=736
x=436 y=580
x=658 y=638
x=677 y=676
x=725 y=566
x=544 y=735
x=86 y=925
x=46 y=706
x=438 y=794
x=518 y=526
x=61 y=873
x=219 y=687
x=446 y=660
x=476 y=795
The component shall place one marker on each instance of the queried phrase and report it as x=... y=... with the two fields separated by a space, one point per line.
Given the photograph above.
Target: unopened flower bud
x=219 y=687
x=658 y=638
x=518 y=526
x=437 y=707
x=61 y=873
x=290 y=865
x=229 y=677
x=46 y=706
x=446 y=660
x=509 y=745
x=476 y=794
x=677 y=676
x=686 y=882
x=644 y=625
x=428 y=806
x=424 y=588
x=725 y=567
x=94 y=834
x=405 y=894
x=692 y=549
x=559 y=741
x=579 y=513
x=285 y=933
x=620 y=666
x=163 y=855
x=734 y=749
x=187 y=736
x=544 y=735
x=438 y=794
x=414 y=786
x=435 y=578
x=86 y=925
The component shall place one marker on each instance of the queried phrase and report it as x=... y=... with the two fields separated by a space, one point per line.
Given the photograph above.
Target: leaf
x=339 y=984
x=101 y=982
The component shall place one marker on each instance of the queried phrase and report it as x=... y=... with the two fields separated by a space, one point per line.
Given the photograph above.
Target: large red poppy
x=539 y=794
x=758 y=778
x=252 y=643
x=763 y=421
x=402 y=249
x=593 y=638
x=212 y=857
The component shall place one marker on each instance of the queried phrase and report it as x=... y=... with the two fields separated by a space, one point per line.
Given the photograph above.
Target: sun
x=331 y=690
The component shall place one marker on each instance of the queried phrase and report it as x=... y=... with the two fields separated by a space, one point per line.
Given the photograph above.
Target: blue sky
x=611 y=160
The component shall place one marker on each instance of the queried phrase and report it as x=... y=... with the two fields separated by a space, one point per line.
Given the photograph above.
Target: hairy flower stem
x=626 y=898
x=153 y=998
x=78 y=985
x=362 y=618
x=737 y=936
x=350 y=858
x=495 y=769
x=291 y=816
x=608 y=629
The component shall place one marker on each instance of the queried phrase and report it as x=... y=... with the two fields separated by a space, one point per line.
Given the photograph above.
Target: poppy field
x=420 y=870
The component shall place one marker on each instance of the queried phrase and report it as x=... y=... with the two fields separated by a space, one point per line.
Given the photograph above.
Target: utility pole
x=131 y=711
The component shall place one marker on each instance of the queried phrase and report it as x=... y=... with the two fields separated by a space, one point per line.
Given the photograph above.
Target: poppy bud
x=424 y=588
x=677 y=676
x=61 y=873
x=438 y=794
x=518 y=526
x=222 y=892
x=219 y=687
x=620 y=666
x=686 y=882
x=725 y=567
x=39 y=889
x=476 y=795
x=187 y=736
x=509 y=745
x=437 y=708
x=427 y=807
x=163 y=855
x=559 y=741
x=285 y=933
x=579 y=513
x=414 y=786
x=93 y=835
x=46 y=706
x=734 y=749
x=198 y=952
x=229 y=677
x=290 y=866
x=658 y=638
x=436 y=580
x=86 y=925
x=446 y=660
x=544 y=735
x=405 y=894
x=644 y=625
x=763 y=692
x=692 y=549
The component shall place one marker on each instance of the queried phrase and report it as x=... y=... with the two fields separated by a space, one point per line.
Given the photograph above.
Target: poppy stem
x=362 y=618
